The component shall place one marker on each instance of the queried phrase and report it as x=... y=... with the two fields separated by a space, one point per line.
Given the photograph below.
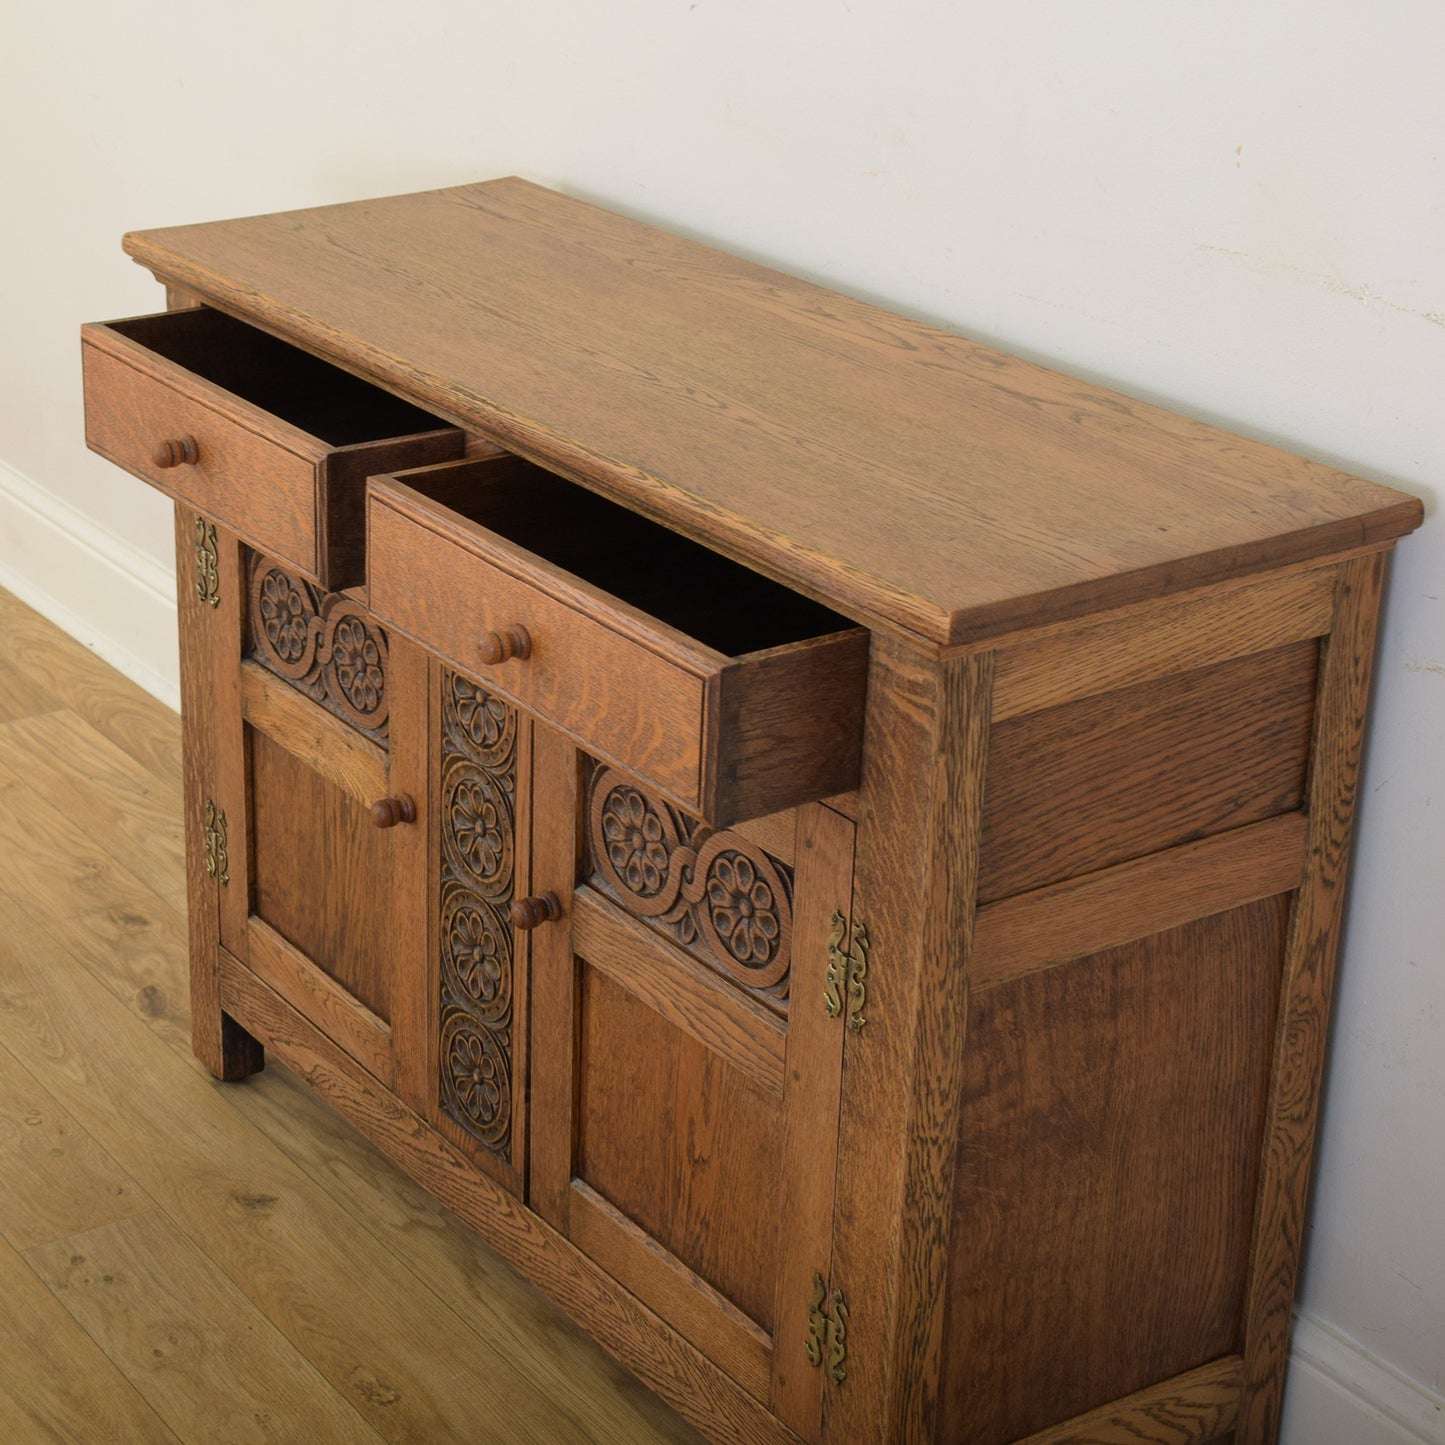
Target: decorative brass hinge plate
x=847 y=972
x=217 y=862
x=208 y=577
x=827 y=1331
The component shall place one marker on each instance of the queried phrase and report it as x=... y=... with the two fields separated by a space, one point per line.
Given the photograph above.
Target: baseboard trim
x=108 y=594
x=1340 y=1394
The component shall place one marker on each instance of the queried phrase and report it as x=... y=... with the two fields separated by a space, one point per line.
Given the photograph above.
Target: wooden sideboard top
x=902 y=474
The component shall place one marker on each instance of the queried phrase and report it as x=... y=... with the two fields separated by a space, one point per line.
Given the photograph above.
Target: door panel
x=685 y=1068
x=326 y=896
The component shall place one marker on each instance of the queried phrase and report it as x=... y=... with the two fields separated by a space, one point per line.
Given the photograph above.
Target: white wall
x=1233 y=206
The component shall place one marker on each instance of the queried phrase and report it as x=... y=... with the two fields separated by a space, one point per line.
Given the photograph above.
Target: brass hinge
x=217 y=862
x=208 y=577
x=827 y=1330
x=847 y=971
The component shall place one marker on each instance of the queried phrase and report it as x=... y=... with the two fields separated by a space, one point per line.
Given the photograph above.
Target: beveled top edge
x=734 y=403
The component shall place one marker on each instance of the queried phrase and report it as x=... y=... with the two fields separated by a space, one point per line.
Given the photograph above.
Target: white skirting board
x=1340 y=1394
x=121 y=603
x=117 y=600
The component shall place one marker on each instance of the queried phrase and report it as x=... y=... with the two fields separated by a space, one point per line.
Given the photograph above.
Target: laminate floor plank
x=447 y=1257
x=104 y=792
x=55 y=1179
x=423 y=1333
x=410 y=1364
x=20 y=696
x=38 y=654
x=189 y=1341
x=56 y=1384
x=132 y=941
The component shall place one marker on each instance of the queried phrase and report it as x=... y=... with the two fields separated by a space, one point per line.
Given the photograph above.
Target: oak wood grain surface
x=1110 y=1136
x=105 y=1115
x=1145 y=768
x=1307 y=991
x=768 y=415
x=323 y=873
x=706 y=1189
x=728 y=737
x=243 y=408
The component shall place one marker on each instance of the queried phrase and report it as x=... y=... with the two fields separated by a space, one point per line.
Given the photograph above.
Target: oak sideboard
x=822 y=842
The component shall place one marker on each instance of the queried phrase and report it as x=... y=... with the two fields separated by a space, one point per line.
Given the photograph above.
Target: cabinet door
x=320 y=786
x=685 y=1067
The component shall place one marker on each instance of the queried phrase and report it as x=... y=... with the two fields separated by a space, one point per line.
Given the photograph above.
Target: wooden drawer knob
x=175 y=452
x=503 y=645
x=529 y=912
x=390 y=811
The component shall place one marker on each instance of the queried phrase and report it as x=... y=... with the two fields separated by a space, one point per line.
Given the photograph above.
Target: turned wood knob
x=541 y=908
x=505 y=644
x=175 y=452
x=390 y=811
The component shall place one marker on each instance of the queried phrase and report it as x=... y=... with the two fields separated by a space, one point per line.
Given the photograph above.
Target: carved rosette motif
x=716 y=893
x=322 y=643
x=477 y=819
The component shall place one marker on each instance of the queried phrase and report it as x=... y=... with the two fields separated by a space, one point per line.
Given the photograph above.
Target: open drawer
x=270 y=441
x=726 y=691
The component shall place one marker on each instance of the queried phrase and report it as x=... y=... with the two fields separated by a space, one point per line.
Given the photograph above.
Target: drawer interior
x=322 y=400
x=719 y=602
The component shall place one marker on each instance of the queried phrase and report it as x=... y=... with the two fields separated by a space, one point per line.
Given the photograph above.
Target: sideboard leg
x=220 y=1043
x=924 y=757
x=1306 y=991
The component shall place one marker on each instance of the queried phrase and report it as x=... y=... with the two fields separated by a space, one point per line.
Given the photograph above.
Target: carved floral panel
x=477 y=819
x=718 y=894
x=323 y=643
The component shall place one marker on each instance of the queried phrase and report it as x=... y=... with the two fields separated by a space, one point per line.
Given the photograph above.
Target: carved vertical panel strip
x=477 y=819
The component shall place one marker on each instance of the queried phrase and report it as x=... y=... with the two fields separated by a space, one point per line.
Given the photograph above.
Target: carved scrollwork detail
x=485 y=721
x=717 y=894
x=476 y=942
x=323 y=643
x=478 y=828
x=476 y=1080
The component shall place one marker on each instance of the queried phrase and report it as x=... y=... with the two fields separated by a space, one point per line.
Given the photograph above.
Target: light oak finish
x=168 y=1317
x=1305 y=994
x=728 y=736
x=794 y=841
x=340 y=754
x=1132 y=900
x=838 y=447
x=221 y=445
x=91 y=1398
x=57 y=1180
x=687 y=995
x=1199 y=1405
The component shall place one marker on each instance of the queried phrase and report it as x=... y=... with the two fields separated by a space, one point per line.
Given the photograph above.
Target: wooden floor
x=187 y=1260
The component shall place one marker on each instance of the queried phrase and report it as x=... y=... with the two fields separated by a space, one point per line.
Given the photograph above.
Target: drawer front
x=271 y=442
x=616 y=695
x=726 y=737
x=256 y=476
